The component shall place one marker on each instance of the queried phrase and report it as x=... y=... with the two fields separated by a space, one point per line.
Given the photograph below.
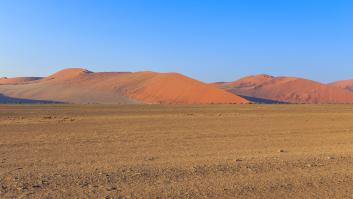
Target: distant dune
x=77 y=85
x=17 y=80
x=345 y=84
x=286 y=90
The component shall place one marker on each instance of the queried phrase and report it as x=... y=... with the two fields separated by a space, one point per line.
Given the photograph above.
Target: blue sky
x=211 y=40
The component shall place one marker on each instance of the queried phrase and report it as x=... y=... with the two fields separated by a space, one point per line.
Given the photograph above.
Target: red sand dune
x=345 y=84
x=286 y=89
x=17 y=80
x=77 y=85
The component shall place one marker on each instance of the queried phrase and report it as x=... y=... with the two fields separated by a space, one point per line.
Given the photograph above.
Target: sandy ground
x=165 y=151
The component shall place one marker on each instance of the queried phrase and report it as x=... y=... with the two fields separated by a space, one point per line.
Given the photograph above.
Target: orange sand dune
x=286 y=89
x=77 y=85
x=345 y=84
x=17 y=80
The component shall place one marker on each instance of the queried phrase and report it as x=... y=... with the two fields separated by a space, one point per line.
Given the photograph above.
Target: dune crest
x=68 y=73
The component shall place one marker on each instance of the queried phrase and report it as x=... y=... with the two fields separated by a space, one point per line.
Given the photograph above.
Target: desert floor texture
x=175 y=151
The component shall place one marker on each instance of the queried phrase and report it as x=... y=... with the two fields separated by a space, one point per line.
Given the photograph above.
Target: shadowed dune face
x=345 y=84
x=287 y=89
x=11 y=100
x=82 y=86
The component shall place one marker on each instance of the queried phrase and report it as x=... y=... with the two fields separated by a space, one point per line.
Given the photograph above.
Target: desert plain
x=176 y=151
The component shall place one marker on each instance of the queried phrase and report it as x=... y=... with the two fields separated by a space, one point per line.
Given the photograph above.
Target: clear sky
x=211 y=40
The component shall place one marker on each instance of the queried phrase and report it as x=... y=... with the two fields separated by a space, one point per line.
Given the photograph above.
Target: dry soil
x=170 y=151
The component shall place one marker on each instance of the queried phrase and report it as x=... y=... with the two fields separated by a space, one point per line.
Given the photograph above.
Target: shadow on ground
x=262 y=100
